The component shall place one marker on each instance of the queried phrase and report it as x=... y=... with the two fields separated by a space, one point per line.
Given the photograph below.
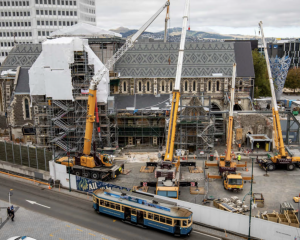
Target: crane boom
x=276 y=120
x=230 y=123
x=90 y=119
x=176 y=90
x=166 y=22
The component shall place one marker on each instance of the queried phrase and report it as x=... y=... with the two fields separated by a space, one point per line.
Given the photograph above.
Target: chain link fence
x=21 y=154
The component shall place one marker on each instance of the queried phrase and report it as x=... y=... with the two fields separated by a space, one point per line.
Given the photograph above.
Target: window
x=67 y=2
x=112 y=205
x=148 y=86
x=26 y=108
x=218 y=86
x=47 y=23
x=50 y=12
x=74 y=3
x=53 y=2
x=184 y=223
x=75 y=13
x=36 y=1
x=46 y=12
x=186 y=86
x=124 y=86
x=42 y=12
x=194 y=86
x=117 y=207
x=156 y=217
x=106 y=204
x=63 y=13
x=209 y=86
x=54 y=12
x=58 y=12
x=163 y=86
x=169 y=221
x=101 y=202
x=150 y=215
x=133 y=211
x=43 y=23
x=58 y=2
x=49 y=1
x=241 y=86
x=37 y=12
x=140 y=86
x=162 y=219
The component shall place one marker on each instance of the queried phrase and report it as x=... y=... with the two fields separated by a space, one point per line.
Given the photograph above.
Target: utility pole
x=249 y=235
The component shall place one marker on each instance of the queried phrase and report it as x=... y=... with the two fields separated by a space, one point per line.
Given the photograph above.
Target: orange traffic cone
x=49 y=187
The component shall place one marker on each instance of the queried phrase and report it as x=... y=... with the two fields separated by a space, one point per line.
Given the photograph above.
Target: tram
x=145 y=211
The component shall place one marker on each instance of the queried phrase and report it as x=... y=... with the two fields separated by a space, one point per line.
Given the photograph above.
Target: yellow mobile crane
x=169 y=186
x=92 y=165
x=227 y=168
x=282 y=158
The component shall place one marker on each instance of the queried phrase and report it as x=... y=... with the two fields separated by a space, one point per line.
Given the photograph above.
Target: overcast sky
x=281 y=18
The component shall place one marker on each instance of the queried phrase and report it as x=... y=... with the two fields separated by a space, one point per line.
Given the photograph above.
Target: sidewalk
x=42 y=227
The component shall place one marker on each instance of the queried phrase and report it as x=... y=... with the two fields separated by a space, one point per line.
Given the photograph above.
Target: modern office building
x=32 y=21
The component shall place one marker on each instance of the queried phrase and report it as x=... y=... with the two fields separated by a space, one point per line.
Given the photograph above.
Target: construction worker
x=239 y=158
x=257 y=146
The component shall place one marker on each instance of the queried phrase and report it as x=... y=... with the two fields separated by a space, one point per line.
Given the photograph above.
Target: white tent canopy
x=84 y=30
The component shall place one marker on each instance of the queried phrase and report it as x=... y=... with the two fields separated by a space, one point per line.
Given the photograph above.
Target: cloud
x=204 y=14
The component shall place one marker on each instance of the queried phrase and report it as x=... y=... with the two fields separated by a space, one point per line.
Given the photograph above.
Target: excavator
x=282 y=159
x=94 y=165
x=227 y=168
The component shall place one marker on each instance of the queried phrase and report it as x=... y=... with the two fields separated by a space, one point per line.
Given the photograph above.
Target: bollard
x=59 y=187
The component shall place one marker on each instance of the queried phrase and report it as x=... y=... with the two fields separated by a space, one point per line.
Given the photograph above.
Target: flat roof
x=177 y=212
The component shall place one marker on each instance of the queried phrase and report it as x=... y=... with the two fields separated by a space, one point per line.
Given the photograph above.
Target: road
x=78 y=211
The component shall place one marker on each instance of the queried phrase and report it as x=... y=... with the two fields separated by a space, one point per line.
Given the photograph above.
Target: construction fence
x=25 y=155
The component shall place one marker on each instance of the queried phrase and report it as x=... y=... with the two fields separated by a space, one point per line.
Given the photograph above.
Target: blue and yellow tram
x=143 y=211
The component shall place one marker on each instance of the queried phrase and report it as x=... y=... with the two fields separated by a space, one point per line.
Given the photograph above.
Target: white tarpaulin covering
x=50 y=75
x=82 y=30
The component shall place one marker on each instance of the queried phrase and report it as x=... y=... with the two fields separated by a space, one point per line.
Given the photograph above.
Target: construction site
x=175 y=120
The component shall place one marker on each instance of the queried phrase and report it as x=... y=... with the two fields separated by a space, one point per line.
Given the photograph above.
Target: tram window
x=112 y=205
x=189 y=221
x=123 y=208
x=169 y=221
x=133 y=211
x=117 y=206
x=94 y=199
x=150 y=215
x=156 y=217
x=145 y=215
x=97 y=200
x=162 y=219
x=184 y=223
x=106 y=204
x=101 y=202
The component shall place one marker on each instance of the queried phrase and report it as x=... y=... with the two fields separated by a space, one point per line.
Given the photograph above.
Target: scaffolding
x=196 y=126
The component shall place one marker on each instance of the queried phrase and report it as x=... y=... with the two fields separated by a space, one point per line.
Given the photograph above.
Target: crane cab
x=233 y=182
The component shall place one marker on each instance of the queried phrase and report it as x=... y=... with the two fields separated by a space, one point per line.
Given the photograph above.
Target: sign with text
x=89 y=185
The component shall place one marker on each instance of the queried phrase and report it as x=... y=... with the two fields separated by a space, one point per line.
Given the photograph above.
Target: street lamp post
x=9 y=194
x=249 y=235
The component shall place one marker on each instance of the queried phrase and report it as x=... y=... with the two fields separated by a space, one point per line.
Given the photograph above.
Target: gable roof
x=84 y=30
x=23 y=82
x=23 y=55
x=200 y=60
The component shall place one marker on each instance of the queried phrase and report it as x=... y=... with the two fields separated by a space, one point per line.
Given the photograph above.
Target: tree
x=293 y=79
x=261 y=84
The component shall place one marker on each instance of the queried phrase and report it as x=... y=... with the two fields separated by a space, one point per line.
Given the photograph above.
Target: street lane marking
x=60 y=239
x=33 y=202
x=92 y=234
x=79 y=230
x=114 y=220
x=67 y=225
x=51 y=235
x=208 y=235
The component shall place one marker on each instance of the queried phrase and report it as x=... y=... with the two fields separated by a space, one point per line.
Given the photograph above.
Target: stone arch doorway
x=237 y=107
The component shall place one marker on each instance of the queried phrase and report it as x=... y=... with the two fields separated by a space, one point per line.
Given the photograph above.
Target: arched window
x=171 y=86
x=163 y=86
x=124 y=86
x=26 y=108
x=209 y=86
x=186 y=86
x=218 y=86
x=140 y=86
x=148 y=86
x=194 y=86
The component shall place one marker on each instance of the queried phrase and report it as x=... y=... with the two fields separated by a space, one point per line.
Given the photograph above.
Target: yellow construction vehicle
x=94 y=165
x=227 y=167
x=282 y=158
